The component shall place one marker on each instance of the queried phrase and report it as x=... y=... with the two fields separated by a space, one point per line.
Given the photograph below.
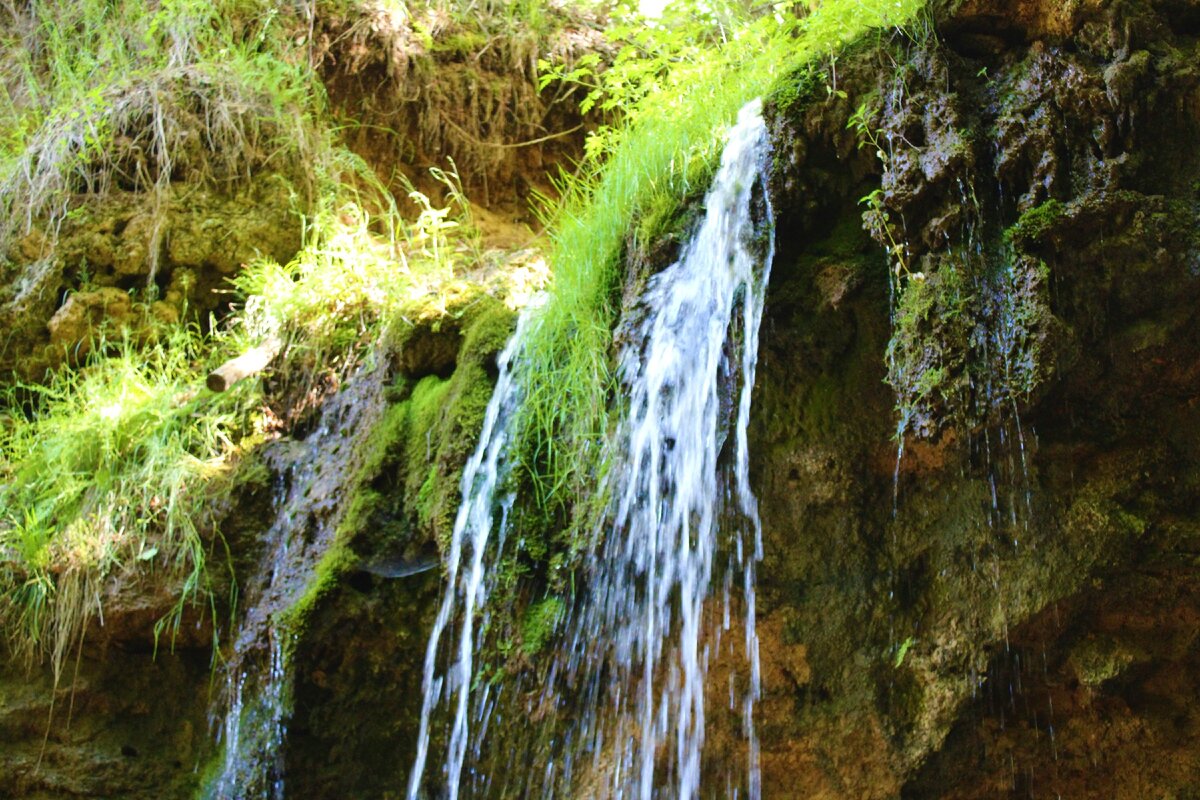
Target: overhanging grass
x=675 y=135
x=114 y=469
x=135 y=94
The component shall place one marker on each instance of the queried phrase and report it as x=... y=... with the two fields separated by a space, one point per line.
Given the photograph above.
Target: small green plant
x=902 y=651
x=877 y=215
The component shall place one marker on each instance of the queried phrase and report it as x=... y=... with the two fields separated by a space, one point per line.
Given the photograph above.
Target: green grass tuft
x=137 y=95
x=113 y=470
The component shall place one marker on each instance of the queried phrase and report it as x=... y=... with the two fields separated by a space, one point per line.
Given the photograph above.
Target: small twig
x=249 y=363
x=528 y=143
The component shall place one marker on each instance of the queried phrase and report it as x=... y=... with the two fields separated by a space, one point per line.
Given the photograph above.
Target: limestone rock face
x=975 y=440
x=185 y=252
x=973 y=559
x=85 y=314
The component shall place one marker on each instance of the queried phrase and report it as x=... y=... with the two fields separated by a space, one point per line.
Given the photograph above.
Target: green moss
x=425 y=414
x=426 y=496
x=929 y=383
x=1035 y=223
x=335 y=562
x=929 y=353
x=406 y=486
x=1097 y=659
x=400 y=437
x=540 y=622
x=459 y=43
x=206 y=789
x=487 y=331
x=794 y=91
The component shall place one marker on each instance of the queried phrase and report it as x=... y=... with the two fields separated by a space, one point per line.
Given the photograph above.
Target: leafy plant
x=877 y=215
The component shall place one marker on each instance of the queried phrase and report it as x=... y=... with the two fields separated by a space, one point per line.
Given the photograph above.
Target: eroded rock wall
x=1024 y=273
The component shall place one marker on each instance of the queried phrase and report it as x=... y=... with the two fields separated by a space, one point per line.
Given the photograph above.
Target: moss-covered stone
x=540 y=621
x=1035 y=223
x=1014 y=337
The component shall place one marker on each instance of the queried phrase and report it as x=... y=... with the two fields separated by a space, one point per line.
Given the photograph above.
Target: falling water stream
x=483 y=512
x=311 y=478
x=629 y=677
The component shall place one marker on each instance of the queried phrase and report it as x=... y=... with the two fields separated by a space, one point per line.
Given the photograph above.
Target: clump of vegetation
x=136 y=95
x=141 y=489
x=115 y=467
x=932 y=329
x=1035 y=223
x=118 y=465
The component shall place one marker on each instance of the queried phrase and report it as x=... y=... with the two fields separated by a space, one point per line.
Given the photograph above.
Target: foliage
x=141 y=492
x=134 y=94
x=877 y=217
x=1035 y=223
x=336 y=298
x=115 y=466
x=539 y=624
x=114 y=470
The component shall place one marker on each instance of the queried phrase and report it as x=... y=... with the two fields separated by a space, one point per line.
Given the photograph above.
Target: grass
x=113 y=467
x=132 y=94
x=119 y=464
x=672 y=138
x=114 y=470
x=116 y=466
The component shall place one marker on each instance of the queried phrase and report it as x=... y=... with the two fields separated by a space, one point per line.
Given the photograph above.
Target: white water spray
x=681 y=495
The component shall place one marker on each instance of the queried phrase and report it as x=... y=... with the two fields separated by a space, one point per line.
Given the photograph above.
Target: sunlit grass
x=115 y=466
x=121 y=463
x=112 y=468
x=135 y=94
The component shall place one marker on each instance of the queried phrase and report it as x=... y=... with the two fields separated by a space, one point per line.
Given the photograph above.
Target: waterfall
x=681 y=495
x=311 y=480
x=482 y=516
x=626 y=689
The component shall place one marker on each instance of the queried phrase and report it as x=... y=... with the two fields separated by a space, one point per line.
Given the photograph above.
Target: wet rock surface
x=1006 y=606
x=64 y=292
x=1037 y=325
x=120 y=725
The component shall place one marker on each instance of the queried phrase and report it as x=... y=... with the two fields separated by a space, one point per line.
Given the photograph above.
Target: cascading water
x=254 y=730
x=626 y=690
x=312 y=478
x=639 y=645
x=482 y=516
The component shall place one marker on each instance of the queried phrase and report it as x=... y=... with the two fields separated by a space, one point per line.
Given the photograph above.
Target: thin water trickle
x=482 y=515
x=311 y=480
x=625 y=689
